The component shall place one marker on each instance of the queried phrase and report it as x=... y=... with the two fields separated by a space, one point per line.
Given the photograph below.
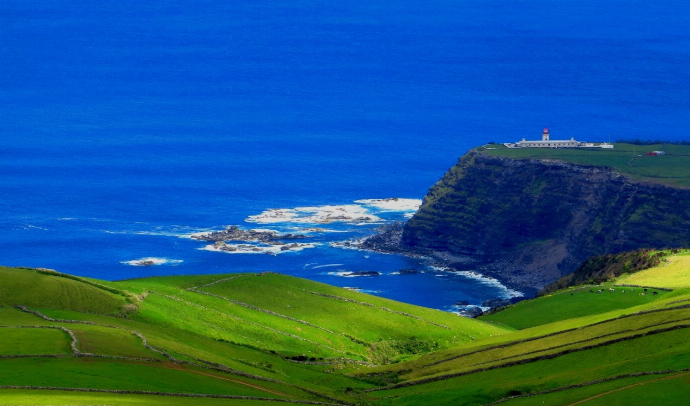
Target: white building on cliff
x=546 y=142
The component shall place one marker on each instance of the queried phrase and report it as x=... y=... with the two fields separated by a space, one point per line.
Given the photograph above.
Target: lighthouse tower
x=545 y=135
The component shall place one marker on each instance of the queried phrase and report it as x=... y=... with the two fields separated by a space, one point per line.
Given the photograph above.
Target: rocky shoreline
x=389 y=240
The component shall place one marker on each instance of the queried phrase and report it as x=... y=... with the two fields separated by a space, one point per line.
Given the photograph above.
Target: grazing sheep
x=612 y=290
x=655 y=293
x=642 y=294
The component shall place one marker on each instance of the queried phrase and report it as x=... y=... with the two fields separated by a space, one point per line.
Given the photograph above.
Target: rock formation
x=528 y=222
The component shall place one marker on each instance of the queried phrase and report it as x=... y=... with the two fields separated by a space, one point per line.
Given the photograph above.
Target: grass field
x=297 y=317
x=17 y=341
x=674 y=273
x=671 y=168
x=33 y=289
x=51 y=397
x=277 y=337
x=571 y=303
x=667 y=389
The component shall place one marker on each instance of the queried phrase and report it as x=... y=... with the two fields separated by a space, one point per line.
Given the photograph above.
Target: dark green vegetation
x=534 y=215
x=249 y=339
x=672 y=168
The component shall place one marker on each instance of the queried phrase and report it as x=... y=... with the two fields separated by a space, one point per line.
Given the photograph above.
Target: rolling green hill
x=259 y=339
x=45 y=288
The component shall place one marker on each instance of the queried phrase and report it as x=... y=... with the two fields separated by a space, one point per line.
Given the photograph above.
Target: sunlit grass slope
x=571 y=303
x=673 y=273
x=37 y=288
x=296 y=317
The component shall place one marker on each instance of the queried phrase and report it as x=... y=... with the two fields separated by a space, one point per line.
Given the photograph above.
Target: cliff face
x=533 y=221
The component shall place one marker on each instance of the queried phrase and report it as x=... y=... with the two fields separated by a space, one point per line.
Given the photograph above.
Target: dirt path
x=628 y=387
x=181 y=368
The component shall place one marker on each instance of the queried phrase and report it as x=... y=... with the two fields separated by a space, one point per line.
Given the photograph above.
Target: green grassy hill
x=45 y=288
x=258 y=339
x=574 y=345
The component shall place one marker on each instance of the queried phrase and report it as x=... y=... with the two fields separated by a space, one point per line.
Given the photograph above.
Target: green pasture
x=34 y=341
x=673 y=273
x=23 y=397
x=370 y=318
x=103 y=373
x=29 y=288
x=366 y=327
x=534 y=345
x=49 y=397
x=650 y=353
x=218 y=322
x=569 y=304
x=666 y=389
x=567 y=338
x=186 y=346
x=110 y=341
x=10 y=316
x=672 y=168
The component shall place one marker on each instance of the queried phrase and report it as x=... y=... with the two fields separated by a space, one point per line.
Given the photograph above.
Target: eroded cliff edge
x=529 y=221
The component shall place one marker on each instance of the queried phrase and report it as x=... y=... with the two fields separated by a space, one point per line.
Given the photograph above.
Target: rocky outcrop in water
x=234 y=233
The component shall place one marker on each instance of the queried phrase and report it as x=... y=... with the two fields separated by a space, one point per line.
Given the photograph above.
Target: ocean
x=126 y=127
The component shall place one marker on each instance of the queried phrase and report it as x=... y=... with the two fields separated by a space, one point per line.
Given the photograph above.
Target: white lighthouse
x=545 y=135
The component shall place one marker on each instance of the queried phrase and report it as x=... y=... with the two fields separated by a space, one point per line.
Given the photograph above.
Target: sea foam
x=392 y=204
x=346 y=213
x=485 y=280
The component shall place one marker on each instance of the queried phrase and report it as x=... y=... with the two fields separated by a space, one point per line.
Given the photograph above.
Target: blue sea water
x=125 y=126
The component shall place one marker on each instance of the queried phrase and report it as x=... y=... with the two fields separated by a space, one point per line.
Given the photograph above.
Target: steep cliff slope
x=531 y=221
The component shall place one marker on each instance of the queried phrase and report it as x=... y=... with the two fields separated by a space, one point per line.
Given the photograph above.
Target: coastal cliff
x=530 y=221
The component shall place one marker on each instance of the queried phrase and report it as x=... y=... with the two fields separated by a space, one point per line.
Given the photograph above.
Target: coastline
x=388 y=240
